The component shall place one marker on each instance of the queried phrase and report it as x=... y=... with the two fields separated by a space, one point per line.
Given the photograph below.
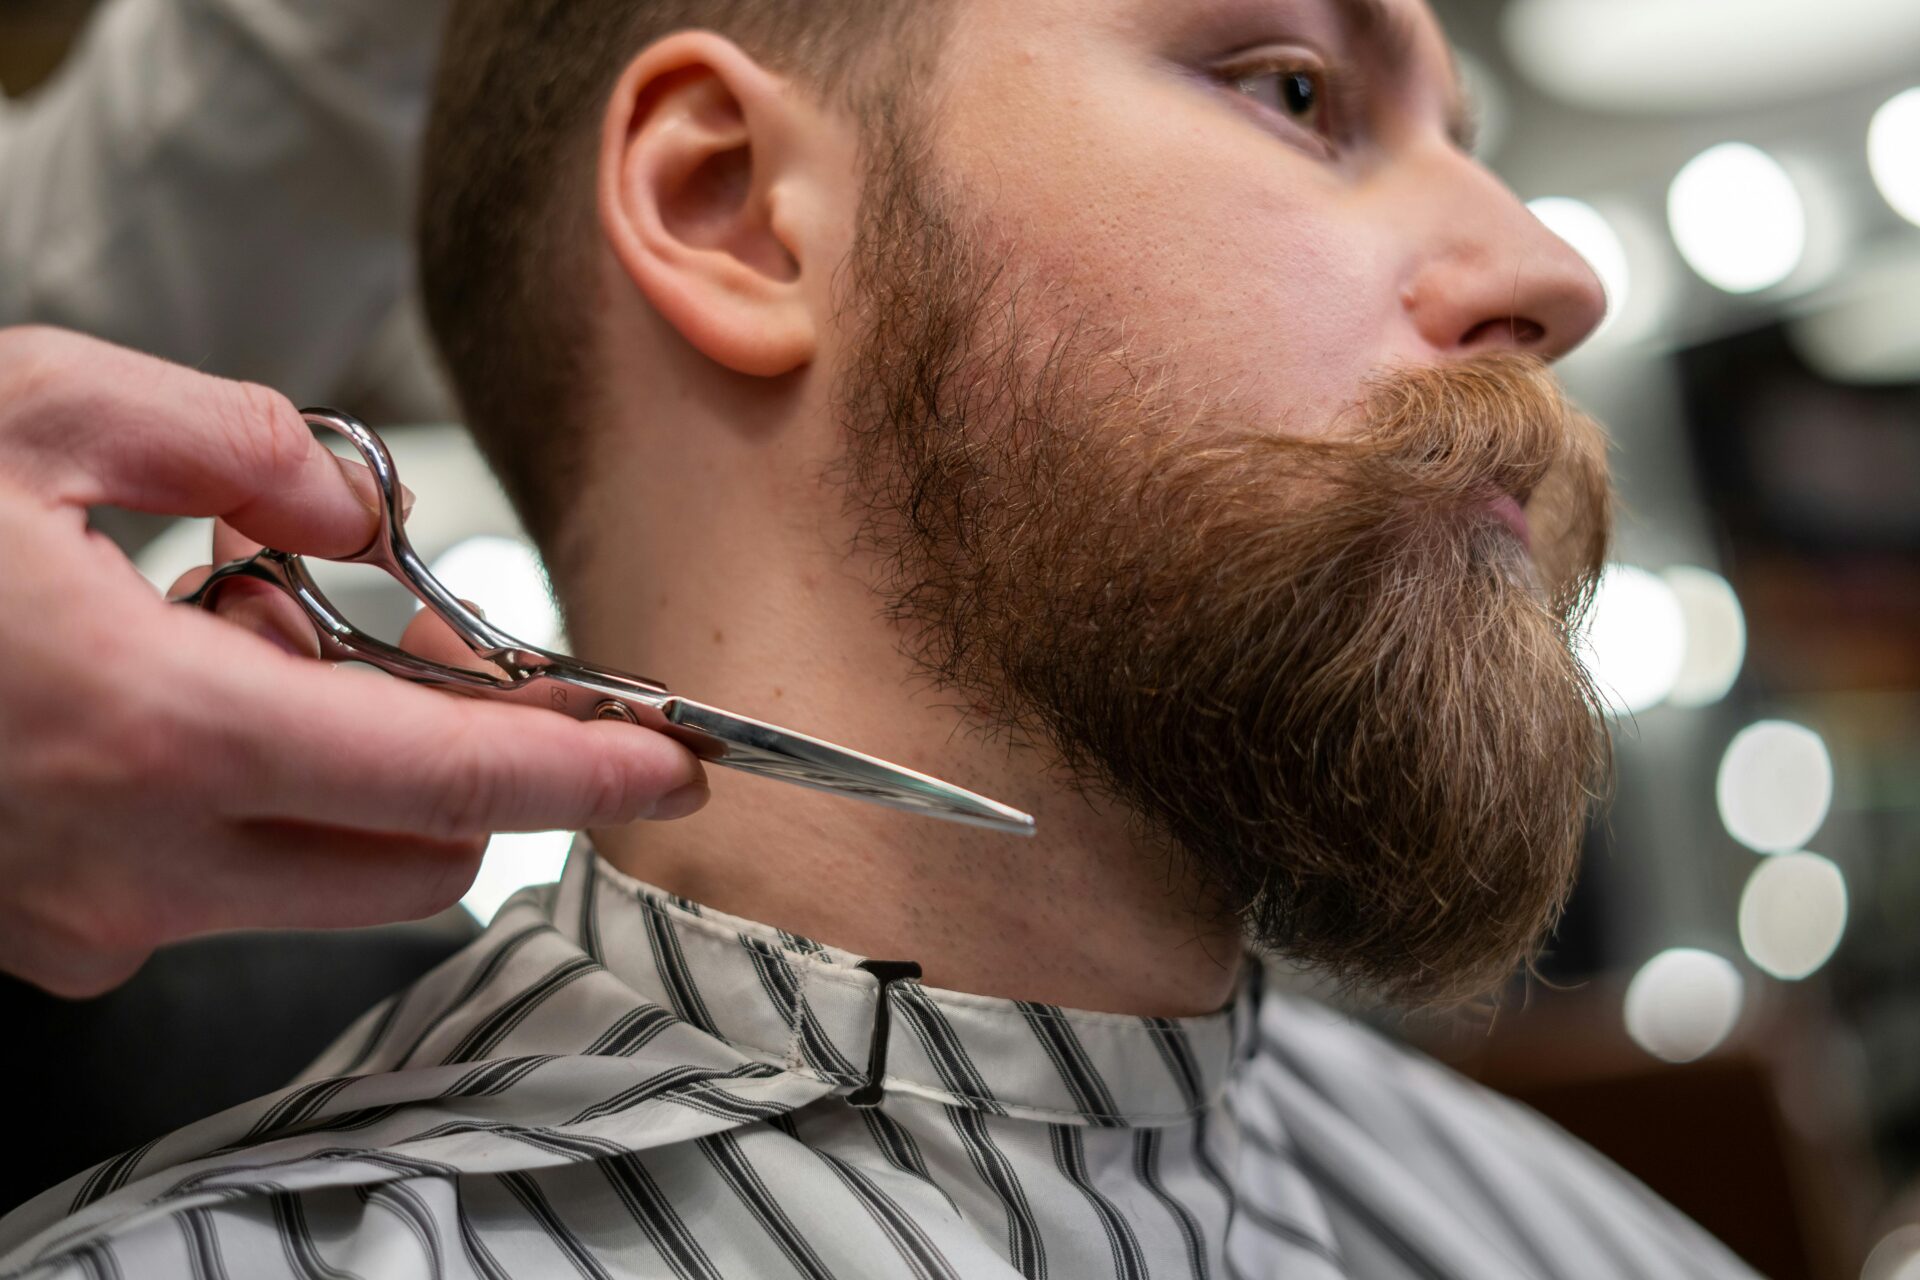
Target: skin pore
x=1274 y=243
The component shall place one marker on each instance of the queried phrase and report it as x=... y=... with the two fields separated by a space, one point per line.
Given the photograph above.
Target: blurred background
x=1731 y=1008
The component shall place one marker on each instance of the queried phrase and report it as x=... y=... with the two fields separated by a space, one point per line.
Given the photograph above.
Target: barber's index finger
x=102 y=425
x=354 y=749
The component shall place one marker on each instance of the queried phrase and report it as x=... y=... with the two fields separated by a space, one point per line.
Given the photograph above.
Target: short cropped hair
x=505 y=213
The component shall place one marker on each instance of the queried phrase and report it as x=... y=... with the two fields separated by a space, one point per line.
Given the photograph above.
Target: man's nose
x=1490 y=276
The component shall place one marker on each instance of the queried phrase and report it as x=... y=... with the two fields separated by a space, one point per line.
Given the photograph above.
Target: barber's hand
x=164 y=772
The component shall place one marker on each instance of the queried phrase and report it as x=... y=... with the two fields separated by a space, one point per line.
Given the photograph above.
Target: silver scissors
x=537 y=677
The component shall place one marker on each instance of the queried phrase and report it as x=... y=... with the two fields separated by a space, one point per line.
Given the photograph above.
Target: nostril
x=1517 y=332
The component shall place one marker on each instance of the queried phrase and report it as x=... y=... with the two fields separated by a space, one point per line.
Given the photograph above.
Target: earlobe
x=693 y=167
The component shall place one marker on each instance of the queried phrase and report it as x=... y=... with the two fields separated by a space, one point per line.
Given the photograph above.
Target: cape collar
x=813 y=1010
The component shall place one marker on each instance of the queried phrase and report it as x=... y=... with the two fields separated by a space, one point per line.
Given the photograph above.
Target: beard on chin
x=1319 y=671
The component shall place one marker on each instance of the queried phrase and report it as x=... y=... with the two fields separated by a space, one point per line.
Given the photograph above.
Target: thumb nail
x=361 y=481
x=680 y=802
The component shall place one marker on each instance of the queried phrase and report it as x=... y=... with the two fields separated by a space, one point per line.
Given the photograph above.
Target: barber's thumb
x=430 y=638
x=367 y=490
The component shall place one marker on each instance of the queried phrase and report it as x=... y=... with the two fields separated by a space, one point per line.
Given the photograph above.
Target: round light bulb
x=1683 y=1003
x=1896 y=1257
x=1775 y=785
x=1716 y=636
x=1634 y=640
x=1893 y=153
x=1793 y=913
x=1737 y=218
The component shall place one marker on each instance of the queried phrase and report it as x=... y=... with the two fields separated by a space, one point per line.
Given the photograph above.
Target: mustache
x=1494 y=424
x=1426 y=450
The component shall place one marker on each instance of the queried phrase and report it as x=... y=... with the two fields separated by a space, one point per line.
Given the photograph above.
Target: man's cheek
x=1264 y=279
x=1297 y=335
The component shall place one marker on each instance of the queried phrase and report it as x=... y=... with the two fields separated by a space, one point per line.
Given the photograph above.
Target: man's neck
x=1078 y=915
x=1059 y=919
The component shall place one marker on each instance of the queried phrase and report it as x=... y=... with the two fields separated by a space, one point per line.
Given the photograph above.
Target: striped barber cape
x=616 y=1082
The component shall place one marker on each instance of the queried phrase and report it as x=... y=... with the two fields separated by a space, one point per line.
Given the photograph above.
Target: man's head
x=507 y=227
x=1171 y=368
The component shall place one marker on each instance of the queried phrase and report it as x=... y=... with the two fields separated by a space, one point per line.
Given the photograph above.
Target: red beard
x=1323 y=673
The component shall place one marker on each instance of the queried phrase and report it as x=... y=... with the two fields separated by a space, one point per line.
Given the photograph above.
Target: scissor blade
x=754 y=746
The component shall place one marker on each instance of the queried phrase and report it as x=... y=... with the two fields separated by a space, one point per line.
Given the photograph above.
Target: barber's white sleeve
x=228 y=183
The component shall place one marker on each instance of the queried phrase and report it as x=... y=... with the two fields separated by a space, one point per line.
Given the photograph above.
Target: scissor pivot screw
x=611 y=710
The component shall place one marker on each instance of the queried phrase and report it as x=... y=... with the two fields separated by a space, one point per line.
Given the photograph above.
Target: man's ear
x=699 y=159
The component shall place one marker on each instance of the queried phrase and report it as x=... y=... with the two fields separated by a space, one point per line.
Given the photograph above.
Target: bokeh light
x=1682 y=1003
x=1793 y=913
x=503 y=576
x=1715 y=646
x=1867 y=331
x=1587 y=230
x=1737 y=218
x=1775 y=785
x=1634 y=640
x=1652 y=57
x=1896 y=1257
x=515 y=859
x=1893 y=153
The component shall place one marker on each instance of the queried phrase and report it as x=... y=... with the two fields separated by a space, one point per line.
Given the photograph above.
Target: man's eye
x=1299 y=93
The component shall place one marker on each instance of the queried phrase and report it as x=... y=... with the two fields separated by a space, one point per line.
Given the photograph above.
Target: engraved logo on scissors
x=557 y=698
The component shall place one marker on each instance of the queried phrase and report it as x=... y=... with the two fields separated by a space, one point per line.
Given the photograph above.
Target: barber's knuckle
x=66 y=975
x=607 y=791
x=450 y=878
x=468 y=789
x=57 y=965
x=265 y=432
x=108 y=761
x=150 y=754
x=98 y=975
x=91 y=917
x=31 y=355
x=82 y=974
x=36 y=364
x=118 y=927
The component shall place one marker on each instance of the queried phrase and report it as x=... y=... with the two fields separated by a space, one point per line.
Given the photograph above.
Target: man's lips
x=1508 y=510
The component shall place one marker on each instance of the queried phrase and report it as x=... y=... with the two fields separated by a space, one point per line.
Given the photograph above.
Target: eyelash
x=1330 y=87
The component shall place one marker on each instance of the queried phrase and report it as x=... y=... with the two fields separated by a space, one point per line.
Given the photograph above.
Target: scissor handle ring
x=392 y=551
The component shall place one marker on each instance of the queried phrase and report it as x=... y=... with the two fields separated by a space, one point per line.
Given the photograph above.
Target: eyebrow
x=1393 y=36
